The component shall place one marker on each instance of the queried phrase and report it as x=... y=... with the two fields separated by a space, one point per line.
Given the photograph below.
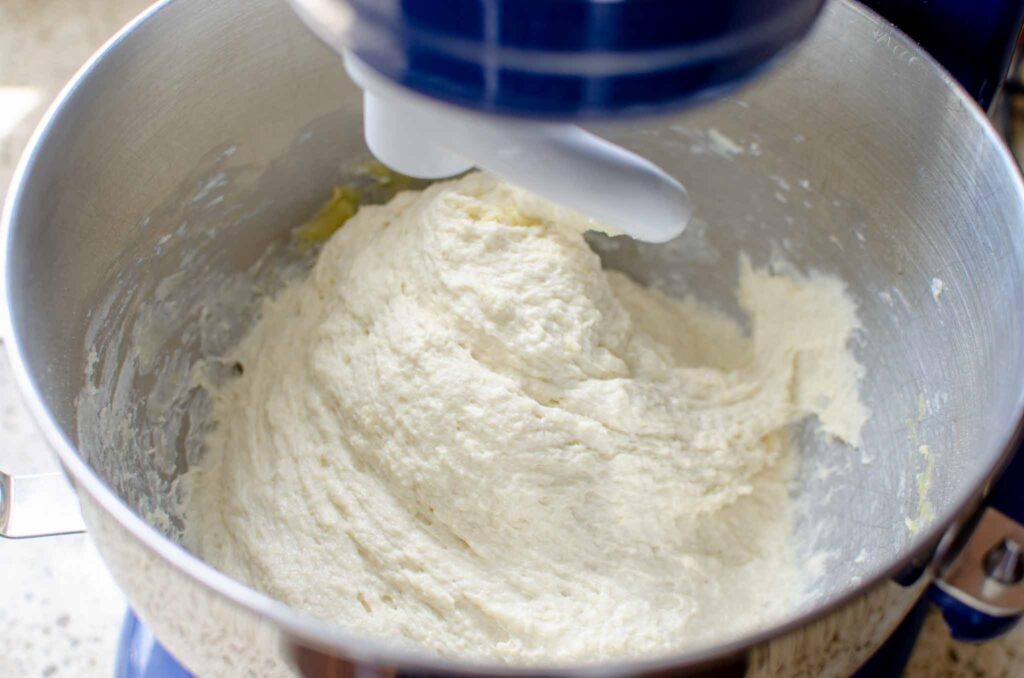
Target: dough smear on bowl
x=460 y=433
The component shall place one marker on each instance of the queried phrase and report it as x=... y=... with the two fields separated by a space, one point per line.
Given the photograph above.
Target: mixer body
x=563 y=59
x=473 y=83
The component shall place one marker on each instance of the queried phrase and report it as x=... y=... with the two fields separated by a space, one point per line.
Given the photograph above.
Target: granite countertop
x=62 y=611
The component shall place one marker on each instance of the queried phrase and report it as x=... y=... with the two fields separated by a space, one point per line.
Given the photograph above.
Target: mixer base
x=140 y=655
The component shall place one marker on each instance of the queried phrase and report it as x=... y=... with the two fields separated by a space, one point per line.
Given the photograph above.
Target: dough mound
x=461 y=434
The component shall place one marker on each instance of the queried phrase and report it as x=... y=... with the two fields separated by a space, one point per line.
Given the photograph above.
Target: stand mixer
x=506 y=85
x=499 y=85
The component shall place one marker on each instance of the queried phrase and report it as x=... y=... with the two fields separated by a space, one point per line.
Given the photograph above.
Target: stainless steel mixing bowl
x=136 y=235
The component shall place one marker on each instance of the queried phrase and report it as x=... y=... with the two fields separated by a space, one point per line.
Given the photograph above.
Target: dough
x=460 y=433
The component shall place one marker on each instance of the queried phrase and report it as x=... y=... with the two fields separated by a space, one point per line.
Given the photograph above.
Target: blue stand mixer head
x=563 y=58
x=453 y=85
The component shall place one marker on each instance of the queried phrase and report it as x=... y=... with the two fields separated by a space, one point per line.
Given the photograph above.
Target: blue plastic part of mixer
x=972 y=39
x=574 y=58
x=965 y=622
x=1007 y=496
x=609 y=58
x=139 y=655
x=968 y=624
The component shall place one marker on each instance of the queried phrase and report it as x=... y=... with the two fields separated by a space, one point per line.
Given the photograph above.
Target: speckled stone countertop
x=61 y=611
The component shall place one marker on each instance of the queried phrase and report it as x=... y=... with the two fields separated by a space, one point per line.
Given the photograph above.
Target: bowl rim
x=334 y=639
